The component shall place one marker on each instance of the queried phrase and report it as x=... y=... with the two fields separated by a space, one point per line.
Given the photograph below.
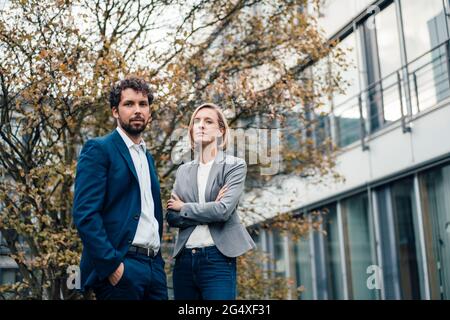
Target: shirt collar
x=220 y=156
x=208 y=164
x=128 y=141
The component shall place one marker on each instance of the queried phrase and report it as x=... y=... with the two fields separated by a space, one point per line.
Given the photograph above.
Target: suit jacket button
x=136 y=217
x=129 y=241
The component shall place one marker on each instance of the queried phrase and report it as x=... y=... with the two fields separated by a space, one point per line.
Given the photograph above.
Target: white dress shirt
x=147 y=235
x=201 y=237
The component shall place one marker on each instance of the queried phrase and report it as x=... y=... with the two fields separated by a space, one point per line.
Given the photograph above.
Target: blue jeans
x=204 y=274
x=143 y=278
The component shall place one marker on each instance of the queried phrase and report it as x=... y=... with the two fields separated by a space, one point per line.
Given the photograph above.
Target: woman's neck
x=208 y=153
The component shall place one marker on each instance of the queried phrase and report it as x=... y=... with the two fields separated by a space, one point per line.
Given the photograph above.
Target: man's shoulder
x=102 y=140
x=101 y=143
x=107 y=138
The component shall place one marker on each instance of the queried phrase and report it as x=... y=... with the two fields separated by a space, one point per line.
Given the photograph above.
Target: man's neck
x=209 y=152
x=135 y=138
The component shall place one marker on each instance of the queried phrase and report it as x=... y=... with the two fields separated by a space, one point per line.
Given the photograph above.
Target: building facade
x=388 y=225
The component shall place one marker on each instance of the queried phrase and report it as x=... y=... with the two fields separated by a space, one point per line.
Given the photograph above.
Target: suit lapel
x=153 y=176
x=122 y=147
x=193 y=170
x=211 y=177
x=218 y=163
x=192 y=175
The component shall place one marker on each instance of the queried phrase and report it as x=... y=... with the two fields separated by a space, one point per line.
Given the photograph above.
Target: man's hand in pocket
x=115 y=277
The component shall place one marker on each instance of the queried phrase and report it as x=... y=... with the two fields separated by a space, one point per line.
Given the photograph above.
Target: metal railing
x=416 y=86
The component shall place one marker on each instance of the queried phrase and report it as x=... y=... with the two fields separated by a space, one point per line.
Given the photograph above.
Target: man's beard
x=133 y=130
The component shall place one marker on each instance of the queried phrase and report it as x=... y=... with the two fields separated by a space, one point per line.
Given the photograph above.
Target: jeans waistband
x=201 y=250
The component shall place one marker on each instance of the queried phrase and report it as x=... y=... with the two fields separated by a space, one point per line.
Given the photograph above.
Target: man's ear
x=115 y=112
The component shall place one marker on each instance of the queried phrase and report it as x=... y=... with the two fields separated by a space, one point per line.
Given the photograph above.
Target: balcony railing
x=417 y=86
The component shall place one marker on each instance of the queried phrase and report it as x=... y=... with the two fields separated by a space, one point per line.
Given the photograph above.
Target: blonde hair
x=223 y=125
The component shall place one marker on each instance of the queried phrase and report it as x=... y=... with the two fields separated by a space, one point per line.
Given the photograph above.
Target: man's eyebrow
x=140 y=101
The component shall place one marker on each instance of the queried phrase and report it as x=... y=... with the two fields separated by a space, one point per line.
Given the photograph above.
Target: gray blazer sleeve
x=174 y=219
x=219 y=211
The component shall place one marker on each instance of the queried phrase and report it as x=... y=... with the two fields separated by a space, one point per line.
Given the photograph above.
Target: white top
x=147 y=235
x=201 y=237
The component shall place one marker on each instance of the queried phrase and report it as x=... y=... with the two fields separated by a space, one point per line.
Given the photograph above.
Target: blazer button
x=136 y=217
x=129 y=241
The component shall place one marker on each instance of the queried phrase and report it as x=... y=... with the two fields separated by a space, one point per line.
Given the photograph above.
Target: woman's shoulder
x=234 y=161
x=185 y=165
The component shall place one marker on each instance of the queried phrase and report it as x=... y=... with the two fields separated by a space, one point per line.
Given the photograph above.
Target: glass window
x=381 y=58
x=7 y=276
x=429 y=80
x=303 y=271
x=348 y=123
x=388 y=44
x=425 y=28
x=321 y=111
x=319 y=266
x=332 y=255
x=350 y=75
x=336 y=13
x=389 y=255
x=346 y=104
x=3 y=247
x=372 y=92
x=359 y=243
x=322 y=131
x=399 y=242
x=256 y=236
x=279 y=254
x=388 y=41
x=408 y=247
x=423 y=25
x=435 y=187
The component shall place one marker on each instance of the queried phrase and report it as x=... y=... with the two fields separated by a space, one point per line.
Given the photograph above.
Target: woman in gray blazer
x=203 y=206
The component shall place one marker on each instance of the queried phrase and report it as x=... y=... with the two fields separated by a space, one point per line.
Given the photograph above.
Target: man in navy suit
x=117 y=205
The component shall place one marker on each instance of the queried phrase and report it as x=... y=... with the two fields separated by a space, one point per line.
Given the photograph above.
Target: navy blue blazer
x=107 y=205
